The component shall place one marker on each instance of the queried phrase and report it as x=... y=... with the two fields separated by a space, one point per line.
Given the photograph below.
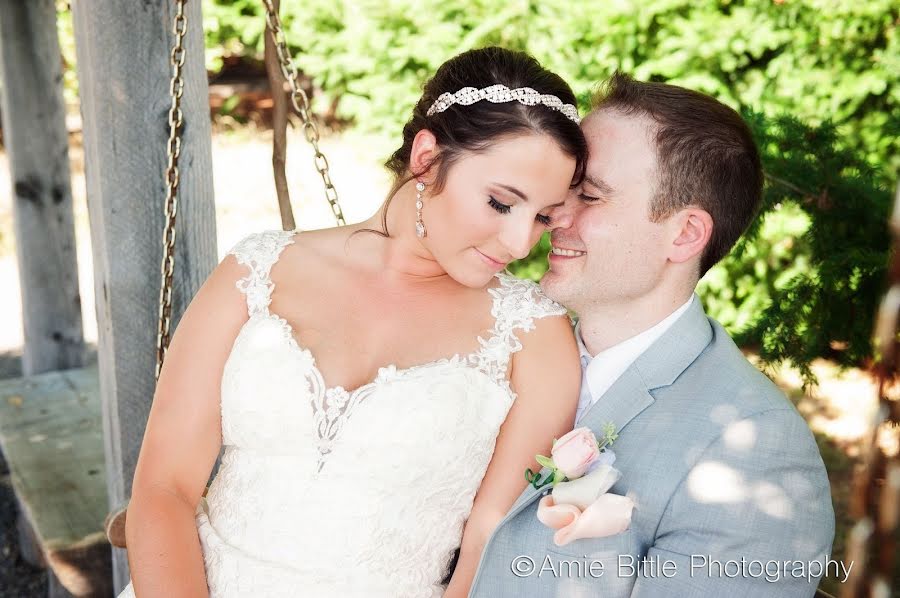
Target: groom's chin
x=553 y=284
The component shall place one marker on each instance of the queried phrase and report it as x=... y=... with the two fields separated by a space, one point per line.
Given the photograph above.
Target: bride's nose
x=517 y=241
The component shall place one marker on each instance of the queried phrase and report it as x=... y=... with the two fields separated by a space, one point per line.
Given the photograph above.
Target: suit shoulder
x=725 y=373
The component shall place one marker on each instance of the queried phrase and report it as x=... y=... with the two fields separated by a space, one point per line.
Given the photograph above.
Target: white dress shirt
x=600 y=371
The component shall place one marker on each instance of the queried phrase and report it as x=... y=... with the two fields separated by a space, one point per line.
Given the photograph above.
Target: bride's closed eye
x=500 y=207
x=585 y=197
x=504 y=209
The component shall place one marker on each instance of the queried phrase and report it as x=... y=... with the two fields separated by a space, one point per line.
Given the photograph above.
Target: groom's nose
x=563 y=216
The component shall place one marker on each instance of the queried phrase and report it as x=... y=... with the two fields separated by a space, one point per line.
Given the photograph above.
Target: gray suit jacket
x=726 y=477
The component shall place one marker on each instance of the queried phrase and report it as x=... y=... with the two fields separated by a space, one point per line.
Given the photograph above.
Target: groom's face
x=605 y=248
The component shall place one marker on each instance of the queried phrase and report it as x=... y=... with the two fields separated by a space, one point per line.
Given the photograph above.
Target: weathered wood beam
x=123 y=60
x=34 y=128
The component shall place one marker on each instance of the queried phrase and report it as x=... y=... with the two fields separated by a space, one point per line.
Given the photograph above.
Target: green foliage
x=67 y=52
x=535 y=264
x=806 y=279
x=813 y=59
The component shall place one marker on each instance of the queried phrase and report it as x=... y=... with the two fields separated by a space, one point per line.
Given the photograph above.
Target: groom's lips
x=557 y=252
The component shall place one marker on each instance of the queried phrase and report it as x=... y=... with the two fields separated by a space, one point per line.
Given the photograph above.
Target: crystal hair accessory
x=499 y=94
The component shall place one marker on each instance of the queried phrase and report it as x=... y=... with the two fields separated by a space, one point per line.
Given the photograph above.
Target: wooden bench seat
x=51 y=433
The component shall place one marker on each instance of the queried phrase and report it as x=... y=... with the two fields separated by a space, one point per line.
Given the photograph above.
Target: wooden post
x=123 y=59
x=34 y=127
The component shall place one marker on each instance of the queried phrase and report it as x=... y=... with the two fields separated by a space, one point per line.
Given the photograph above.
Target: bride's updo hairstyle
x=461 y=129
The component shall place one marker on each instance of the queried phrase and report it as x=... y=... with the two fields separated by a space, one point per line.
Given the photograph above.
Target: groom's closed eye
x=594 y=189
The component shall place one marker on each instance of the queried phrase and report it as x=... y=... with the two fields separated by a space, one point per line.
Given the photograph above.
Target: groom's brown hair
x=705 y=156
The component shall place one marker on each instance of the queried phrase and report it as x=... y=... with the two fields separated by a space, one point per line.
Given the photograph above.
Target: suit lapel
x=659 y=366
x=624 y=400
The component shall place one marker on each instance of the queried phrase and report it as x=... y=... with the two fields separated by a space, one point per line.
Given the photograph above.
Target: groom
x=731 y=495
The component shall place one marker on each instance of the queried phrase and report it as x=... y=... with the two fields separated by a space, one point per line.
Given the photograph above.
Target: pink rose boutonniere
x=581 y=474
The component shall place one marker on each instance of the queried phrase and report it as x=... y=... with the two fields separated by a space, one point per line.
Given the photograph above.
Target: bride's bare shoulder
x=323 y=240
x=314 y=252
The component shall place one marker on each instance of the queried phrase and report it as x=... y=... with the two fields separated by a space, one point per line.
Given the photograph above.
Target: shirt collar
x=582 y=350
x=651 y=333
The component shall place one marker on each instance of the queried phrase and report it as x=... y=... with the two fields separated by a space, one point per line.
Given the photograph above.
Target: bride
x=379 y=388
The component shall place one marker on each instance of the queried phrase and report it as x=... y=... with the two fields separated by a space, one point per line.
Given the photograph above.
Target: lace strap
x=517 y=304
x=259 y=252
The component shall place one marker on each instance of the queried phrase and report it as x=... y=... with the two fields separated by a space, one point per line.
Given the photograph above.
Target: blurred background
x=816 y=79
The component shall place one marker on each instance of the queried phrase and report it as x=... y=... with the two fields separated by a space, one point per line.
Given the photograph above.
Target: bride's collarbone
x=372 y=315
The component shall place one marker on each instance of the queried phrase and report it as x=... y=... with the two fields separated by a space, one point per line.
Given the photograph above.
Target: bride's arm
x=181 y=441
x=546 y=375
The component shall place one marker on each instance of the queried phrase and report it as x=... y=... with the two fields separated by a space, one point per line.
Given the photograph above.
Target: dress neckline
x=332 y=406
x=291 y=336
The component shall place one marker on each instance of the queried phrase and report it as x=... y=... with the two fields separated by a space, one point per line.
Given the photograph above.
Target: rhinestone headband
x=499 y=94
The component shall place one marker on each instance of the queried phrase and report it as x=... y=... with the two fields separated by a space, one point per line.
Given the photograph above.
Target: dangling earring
x=420 y=226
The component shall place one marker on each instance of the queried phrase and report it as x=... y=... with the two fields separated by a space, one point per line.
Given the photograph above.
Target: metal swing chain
x=173 y=149
x=301 y=104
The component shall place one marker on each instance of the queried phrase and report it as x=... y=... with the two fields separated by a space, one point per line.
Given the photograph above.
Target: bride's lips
x=497 y=265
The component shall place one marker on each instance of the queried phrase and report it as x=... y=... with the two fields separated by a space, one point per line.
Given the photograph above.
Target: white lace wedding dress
x=325 y=493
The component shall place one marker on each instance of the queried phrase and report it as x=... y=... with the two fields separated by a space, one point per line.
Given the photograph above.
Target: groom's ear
x=691 y=229
x=422 y=155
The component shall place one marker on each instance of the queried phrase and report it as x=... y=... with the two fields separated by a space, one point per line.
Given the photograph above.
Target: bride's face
x=495 y=205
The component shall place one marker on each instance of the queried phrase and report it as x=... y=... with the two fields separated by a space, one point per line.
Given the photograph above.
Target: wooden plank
x=123 y=52
x=51 y=432
x=34 y=127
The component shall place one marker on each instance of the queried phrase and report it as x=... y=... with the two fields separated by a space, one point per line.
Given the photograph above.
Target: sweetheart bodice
x=300 y=416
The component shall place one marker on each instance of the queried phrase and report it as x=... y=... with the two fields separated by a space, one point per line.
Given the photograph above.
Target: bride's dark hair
x=465 y=129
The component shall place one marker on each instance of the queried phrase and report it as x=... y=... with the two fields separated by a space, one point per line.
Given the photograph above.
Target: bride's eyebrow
x=523 y=196
x=513 y=190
